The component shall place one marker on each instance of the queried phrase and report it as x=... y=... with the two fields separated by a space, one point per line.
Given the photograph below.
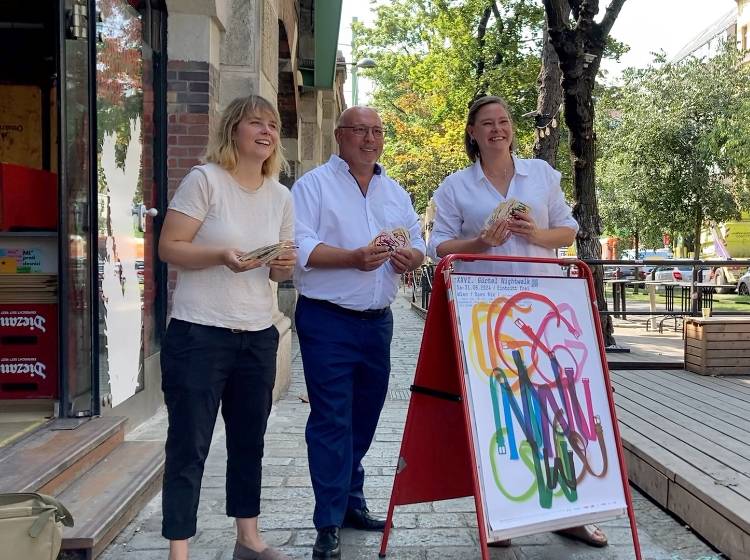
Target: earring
x=472 y=141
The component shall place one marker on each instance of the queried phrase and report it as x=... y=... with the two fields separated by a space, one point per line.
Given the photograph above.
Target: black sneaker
x=327 y=544
x=362 y=520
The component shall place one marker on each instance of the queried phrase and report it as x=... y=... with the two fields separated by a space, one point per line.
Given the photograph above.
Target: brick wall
x=192 y=88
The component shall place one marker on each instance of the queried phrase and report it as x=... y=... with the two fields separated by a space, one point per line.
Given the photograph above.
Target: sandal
x=589 y=534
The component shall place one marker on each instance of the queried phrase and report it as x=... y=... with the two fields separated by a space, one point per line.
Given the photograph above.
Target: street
x=440 y=530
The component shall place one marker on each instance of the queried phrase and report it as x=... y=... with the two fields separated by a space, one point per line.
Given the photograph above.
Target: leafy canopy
x=433 y=58
x=675 y=146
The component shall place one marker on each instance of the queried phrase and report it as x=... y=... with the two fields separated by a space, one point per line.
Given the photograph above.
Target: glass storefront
x=124 y=112
x=76 y=256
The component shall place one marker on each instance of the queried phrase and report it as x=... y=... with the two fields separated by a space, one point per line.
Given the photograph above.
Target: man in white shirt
x=343 y=316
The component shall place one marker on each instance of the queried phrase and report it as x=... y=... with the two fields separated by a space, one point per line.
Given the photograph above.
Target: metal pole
x=355 y=87
x=355 y=84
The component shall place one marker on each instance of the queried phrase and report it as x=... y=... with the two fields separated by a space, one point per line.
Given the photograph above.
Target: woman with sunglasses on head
x=220 y=347
x=540 y=222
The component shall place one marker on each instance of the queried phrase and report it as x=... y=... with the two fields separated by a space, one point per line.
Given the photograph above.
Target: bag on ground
x=31 y=526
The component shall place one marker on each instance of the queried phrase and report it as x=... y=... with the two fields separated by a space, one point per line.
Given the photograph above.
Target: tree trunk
x=579 y=48
x=637 y=268
x=548 y=103
x=579 y=117
x=696 y=256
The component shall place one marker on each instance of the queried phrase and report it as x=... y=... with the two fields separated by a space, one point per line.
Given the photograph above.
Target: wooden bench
x=717 y=345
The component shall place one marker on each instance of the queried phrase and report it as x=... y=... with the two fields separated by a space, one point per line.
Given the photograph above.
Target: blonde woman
x=220 y=346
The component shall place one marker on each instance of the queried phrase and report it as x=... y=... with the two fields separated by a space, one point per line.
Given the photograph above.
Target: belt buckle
x=236 y=331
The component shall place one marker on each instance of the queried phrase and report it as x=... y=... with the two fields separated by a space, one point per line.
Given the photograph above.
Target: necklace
x=506 y=173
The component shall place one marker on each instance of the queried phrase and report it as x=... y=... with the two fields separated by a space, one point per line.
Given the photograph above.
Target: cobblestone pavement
x=440 y=530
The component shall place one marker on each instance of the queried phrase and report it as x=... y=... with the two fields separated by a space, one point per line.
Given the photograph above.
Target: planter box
x=717 y=345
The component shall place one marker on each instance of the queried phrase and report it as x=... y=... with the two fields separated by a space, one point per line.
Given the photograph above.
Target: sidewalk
x=432 y=531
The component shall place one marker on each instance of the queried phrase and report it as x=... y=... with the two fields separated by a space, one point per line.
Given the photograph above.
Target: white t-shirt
x=233 y=218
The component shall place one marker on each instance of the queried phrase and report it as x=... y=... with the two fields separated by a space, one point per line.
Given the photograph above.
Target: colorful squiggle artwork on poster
x=542 y=426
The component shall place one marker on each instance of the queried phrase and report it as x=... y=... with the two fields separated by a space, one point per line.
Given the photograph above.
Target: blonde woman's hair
x=222 y=149
x=470 y=145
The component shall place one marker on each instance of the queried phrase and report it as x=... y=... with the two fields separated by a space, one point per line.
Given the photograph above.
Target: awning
x=327 y=20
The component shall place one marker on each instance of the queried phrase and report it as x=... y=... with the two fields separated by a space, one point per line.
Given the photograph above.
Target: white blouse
x=466 y=198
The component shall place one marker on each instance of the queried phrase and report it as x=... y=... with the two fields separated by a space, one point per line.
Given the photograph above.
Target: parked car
x=743 y=284
x=719 y=275
x=681 y=273
x=624 y=272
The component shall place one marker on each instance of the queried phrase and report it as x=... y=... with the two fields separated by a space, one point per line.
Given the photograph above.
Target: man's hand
x=369 y=258
x=402 y=260
x=231 y=259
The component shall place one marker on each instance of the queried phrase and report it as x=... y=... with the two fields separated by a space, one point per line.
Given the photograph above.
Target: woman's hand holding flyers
x=231 y=259
x=495 y=234
x=522 y=224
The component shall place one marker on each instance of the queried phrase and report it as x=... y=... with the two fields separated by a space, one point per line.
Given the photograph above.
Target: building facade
x=105 y=105
x=743 y=27
x=111 y=103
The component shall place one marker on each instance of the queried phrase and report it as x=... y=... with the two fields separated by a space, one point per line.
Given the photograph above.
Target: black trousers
x=204 y=367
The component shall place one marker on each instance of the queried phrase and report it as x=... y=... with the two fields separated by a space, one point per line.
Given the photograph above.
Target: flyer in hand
x=398 y=238
x=268 y=253
x=505 y=210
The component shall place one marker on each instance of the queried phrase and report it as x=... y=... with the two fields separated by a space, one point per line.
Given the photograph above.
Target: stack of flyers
x=505 y=210
x=398 y=238
x=268 y=253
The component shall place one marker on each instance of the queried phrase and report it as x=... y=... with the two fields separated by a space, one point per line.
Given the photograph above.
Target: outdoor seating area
x=686 y=445
x=684 y=434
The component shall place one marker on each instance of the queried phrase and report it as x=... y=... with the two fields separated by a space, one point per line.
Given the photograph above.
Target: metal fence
x=699 y=294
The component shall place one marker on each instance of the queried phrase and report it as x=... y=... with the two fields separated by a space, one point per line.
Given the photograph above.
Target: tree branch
x=481 y=32
x=555 y=11
x=496 y=11
x=575 y=8
x=613 y=10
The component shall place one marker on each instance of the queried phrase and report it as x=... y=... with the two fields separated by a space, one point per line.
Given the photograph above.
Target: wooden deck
x=687 y=444
x=648 y=348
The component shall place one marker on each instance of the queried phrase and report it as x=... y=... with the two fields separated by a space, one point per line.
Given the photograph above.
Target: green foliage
x=674 y=146
x=430 y=66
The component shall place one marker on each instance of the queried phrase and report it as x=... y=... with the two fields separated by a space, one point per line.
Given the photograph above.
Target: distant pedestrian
x=343 y=316
x=220 y=347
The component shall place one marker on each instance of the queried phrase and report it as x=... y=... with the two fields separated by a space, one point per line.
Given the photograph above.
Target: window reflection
x=125 y=191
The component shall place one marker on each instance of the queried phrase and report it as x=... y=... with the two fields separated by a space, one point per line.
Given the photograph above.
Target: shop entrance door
x=128 y=209
x=77 y=215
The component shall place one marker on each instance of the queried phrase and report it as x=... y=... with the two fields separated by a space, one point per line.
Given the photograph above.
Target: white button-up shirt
x=330 y=209
x=466 y=198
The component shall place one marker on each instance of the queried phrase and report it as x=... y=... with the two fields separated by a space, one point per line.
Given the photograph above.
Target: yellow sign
x=8 y=265
x=21 y=125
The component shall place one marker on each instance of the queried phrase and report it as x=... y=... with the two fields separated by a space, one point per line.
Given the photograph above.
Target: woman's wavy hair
x=222 y=148
x=470 y=145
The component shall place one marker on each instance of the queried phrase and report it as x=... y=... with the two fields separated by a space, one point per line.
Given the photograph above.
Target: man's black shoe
x=362 y=520
x=327 y=544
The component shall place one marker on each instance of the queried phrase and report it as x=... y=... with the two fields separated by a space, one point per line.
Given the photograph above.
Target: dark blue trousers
x=347 y=362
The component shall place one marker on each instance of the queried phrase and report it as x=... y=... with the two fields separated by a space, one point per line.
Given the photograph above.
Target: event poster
x=543 y=433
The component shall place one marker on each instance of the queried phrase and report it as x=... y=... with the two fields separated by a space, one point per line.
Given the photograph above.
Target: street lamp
x=362 y=63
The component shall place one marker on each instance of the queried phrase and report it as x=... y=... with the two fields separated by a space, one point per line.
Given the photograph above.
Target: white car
x=743 y=284
x=681 y=273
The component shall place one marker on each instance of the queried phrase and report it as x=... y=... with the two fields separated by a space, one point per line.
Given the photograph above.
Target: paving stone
x=428 y=531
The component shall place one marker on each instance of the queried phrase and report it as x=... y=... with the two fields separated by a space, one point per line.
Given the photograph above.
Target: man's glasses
x=360 y=130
